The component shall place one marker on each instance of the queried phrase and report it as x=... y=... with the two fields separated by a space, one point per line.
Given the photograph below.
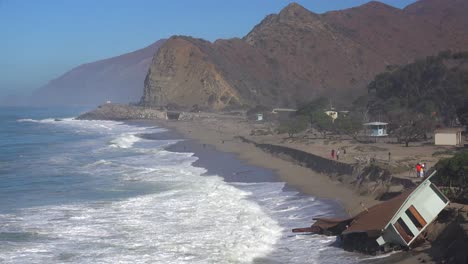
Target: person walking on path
x=389 y=156
x=423 y=168
x=333 y=153
x=418 y=170
x=338 y=155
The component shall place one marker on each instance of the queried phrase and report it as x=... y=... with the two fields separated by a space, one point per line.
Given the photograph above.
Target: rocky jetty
x=120 y=112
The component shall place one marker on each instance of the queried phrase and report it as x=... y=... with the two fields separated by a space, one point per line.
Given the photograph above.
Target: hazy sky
x=40 y=40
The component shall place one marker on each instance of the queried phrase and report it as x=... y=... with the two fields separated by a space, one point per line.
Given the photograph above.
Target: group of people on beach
x=420 y=168
x=336 y=154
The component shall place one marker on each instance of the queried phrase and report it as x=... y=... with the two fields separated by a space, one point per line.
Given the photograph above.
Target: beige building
x=448 y=136
x=332 y=114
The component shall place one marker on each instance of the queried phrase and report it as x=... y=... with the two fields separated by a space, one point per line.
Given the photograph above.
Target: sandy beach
x=224 y=132
x=224 y=137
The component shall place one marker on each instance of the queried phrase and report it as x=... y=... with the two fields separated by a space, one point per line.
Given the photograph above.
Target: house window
x=436 y=191
x=403 y=230
x=416 y=217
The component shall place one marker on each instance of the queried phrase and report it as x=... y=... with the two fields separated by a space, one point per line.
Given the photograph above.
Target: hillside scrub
x=452 y=175
x=435 y=87
x=349 y=125
x=293 y=125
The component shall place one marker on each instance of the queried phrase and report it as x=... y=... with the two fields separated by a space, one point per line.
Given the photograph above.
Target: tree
x=318 y=104
x=409 y=126
x=350 y=125
x=452 y=173
x=462 y=114
x=321 y=122
x=294 y=125
x=361 y=107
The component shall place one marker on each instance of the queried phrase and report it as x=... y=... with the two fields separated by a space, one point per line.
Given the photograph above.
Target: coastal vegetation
x=323 y=123
x=293 y=125
x=420 y=96
x=431 y=89
x=452 y=174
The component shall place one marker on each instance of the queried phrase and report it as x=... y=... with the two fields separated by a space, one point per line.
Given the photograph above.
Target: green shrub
x=294 y=125
x=452 y=173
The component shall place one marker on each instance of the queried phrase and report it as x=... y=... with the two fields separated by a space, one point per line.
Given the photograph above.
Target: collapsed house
x=393 y=224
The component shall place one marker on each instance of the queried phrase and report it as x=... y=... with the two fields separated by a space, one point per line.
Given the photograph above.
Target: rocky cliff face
x=118 y=79
x=296 y=55
x=183 y=74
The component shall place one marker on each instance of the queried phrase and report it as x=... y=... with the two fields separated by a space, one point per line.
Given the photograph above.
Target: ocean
x=76 y=191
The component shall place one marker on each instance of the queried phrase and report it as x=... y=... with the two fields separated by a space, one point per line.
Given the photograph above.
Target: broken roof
x=371 y=221
x=377 y=217
x=326 y=223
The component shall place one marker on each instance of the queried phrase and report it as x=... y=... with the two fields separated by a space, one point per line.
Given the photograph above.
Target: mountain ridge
x=295 y=56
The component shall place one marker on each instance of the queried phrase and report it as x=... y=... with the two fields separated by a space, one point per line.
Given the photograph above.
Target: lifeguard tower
x=376 y=129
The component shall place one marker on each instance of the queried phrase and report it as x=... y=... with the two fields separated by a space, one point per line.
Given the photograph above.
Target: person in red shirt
x=418 y=170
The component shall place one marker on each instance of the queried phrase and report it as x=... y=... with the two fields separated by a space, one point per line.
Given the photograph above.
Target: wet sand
x=305 y=180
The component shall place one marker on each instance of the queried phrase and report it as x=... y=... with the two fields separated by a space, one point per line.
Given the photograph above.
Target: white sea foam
x=126 y=140
x=94 y=126
x=26 y=120
x=204 y=221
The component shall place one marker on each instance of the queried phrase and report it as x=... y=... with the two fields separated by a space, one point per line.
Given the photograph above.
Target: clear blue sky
x=42 y=39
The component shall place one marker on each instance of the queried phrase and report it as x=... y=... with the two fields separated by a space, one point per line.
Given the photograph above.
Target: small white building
x=259 y=117
x=377 y=129
x=448 y=136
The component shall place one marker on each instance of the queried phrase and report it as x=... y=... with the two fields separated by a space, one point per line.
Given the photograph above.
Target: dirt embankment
x=367 y=179
x=305 y=159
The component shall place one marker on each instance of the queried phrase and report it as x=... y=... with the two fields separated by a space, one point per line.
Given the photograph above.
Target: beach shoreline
x=303 y=179
x=345 y=201
x=236 y=171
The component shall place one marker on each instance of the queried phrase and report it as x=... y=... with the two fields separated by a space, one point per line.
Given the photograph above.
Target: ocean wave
x=125 y=141
x=206 y=222
x=47 y=120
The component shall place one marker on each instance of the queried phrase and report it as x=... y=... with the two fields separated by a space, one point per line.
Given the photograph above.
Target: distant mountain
x=118 y=79
x=296 y=55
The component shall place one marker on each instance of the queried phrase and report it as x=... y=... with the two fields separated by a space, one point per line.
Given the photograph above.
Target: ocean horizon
x=74 y=191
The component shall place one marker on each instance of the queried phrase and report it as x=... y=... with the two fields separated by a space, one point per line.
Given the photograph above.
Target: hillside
x=450 y=17
x=118 y=79
x=435 y=87
x=297 y=55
